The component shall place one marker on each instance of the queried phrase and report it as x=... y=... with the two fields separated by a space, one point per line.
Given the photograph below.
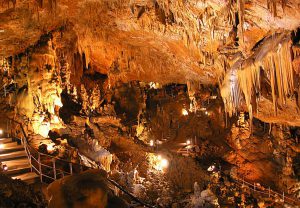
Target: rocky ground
x=15 y=193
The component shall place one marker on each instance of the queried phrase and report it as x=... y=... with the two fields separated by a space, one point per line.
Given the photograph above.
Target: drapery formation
x=242 y=83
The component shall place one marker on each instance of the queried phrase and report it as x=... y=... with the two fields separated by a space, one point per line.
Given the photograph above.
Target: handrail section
x=58 y=172
x=266 y=191
x=49 y=171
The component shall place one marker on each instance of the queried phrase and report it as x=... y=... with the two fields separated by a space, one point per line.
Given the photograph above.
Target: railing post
x=254 y=186
x=7 y=128
x=283 y=197
x=269 y=192
x=30 y=161
x=80 y=167
x=54 y=168
x=71 y=168
x=40 y=167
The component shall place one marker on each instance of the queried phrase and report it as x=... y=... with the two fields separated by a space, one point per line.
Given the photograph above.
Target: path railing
x=267 y=191
x=50 y=168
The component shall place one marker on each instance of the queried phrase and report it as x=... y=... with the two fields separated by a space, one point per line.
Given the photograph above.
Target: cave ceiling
x=165 y=41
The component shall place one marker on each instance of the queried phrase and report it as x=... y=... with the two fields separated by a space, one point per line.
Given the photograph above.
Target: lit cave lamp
x=206 y=113
x=1 y=146
x=50 y=147
x=151 y=143
x=4 y=167
x=162 y=163
x=1 y=131
x=185 y=112
x=188 y=142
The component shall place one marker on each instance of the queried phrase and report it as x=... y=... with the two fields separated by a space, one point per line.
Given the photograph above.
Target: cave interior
x=150 y=103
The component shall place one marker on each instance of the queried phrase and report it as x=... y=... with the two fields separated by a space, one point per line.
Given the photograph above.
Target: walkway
x=14 y=161
x=47 y=168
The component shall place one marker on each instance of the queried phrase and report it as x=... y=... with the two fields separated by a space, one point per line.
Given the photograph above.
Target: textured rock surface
x=161 y=41
x=15 y=193
x=93 y=72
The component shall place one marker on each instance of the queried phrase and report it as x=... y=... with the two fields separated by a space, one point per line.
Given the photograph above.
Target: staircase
x=13 y=155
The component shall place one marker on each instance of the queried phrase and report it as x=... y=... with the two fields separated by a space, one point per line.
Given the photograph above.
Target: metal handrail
x=269 y=191
x=57 y=171
x=39 y=170
x=25 y=139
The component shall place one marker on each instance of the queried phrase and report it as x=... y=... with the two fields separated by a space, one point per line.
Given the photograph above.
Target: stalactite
x=271 y=4
x=52 y=5
x=296 y=51
x=243 y=80
x=241 y=12
x=279 y=67
x=284 y=4
x=40 y=3
x=249 y=79
x=280 y=64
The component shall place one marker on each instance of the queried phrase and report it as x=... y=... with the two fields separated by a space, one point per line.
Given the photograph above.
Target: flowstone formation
x=176 y=100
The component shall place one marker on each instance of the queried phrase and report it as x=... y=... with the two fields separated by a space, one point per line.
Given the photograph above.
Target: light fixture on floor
x=1 y=146
x=164 y=163
x=1 y=131
x=151 y=143
x=4 y=167
x=211 y=168
x=188 y=142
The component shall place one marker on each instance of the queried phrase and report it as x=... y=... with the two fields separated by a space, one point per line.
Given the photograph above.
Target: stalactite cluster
x=272 y=6
x=274 y=58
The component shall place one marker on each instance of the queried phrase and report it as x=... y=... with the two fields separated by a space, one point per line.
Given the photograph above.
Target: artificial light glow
x=55 y=119
x=151 y=143
x=57 y=102
x=1 y=146
x=44 y=129
x=161 y=164
x=211 y=168
x=185 y=112
x=158 y=162
x=206 y=113
x=50 y=147
x=154 y=85
x=188 y=142
x=1 y=131
x=5 y=168
x=164 y=163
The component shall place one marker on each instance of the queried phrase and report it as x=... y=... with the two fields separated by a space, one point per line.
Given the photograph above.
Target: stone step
x=16 y=167
x=29 y=178
x=12 y=144
x=5 y=140
x=10 y=147
x=13 y=155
